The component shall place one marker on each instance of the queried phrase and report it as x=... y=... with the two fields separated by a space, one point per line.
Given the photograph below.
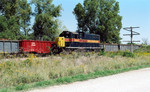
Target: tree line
x=93 y=16
x=15 y=19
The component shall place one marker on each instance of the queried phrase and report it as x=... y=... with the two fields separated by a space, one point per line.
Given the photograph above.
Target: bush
x=102 y=53
x=128 y=54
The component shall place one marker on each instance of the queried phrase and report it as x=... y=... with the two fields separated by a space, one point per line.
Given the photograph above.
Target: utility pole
x=130 y=29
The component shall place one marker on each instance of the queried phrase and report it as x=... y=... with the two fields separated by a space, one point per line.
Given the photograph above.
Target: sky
x=134 y=12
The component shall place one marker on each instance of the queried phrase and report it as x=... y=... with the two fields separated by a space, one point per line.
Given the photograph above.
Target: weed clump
x=102 y=53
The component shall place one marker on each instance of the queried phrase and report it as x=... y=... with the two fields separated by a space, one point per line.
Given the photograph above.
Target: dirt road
x=133 y=81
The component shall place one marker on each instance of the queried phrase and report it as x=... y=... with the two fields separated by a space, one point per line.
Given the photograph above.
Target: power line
x=130 y=29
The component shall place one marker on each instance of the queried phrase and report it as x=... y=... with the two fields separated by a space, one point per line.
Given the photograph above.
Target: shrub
x=102 y=53
x=128 y=54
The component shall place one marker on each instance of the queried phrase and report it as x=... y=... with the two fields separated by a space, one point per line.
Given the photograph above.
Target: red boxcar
x=27 y=46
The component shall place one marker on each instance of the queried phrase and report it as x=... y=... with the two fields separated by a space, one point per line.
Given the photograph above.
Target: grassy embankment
x=18 y=74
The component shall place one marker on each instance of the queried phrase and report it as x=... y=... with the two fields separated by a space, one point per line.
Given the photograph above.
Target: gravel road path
x=133 y=81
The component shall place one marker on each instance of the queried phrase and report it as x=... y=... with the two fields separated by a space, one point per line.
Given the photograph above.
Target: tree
x=46 y=24
x=99 y=17
x=60 y=28
x=145 y=41
x=3 y=24
x=5 y=27
x=25 y=16
x=17 y=15
x=8 y=9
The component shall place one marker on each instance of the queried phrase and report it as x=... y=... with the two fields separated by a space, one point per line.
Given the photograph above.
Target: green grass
x=70 y=79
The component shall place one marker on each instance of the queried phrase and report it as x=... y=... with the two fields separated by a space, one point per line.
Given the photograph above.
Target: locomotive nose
x=60 y=41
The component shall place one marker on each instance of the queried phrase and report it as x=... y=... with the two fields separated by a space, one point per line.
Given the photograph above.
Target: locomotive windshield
x=65 y=34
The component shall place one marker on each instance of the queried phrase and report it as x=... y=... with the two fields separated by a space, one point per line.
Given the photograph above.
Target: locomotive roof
x=80 y=32
x=71 y=32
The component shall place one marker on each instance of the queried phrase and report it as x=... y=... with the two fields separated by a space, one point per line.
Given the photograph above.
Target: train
x=66 y=41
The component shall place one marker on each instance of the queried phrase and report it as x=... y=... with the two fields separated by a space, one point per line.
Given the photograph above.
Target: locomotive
x=66 y=41
x=73 y=41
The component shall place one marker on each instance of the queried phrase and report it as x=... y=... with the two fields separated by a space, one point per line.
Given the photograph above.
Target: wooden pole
x=131 y=40
x=130 y=29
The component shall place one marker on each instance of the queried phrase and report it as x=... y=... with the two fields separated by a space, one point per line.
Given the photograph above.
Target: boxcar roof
x=9 y=40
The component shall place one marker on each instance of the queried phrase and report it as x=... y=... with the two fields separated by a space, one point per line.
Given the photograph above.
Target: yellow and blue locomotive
x=81 y=40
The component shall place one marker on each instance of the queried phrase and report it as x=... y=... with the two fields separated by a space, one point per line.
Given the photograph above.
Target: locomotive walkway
x=133 y=81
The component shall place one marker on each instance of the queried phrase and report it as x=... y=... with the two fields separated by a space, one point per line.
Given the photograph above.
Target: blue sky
x=134 y=12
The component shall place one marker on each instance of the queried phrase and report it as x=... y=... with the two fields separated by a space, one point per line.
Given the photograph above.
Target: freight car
x=25 y=47
x=35 y=46
x=8 y=46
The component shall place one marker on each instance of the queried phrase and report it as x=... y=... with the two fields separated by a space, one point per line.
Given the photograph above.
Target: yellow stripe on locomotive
x=93 y=41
